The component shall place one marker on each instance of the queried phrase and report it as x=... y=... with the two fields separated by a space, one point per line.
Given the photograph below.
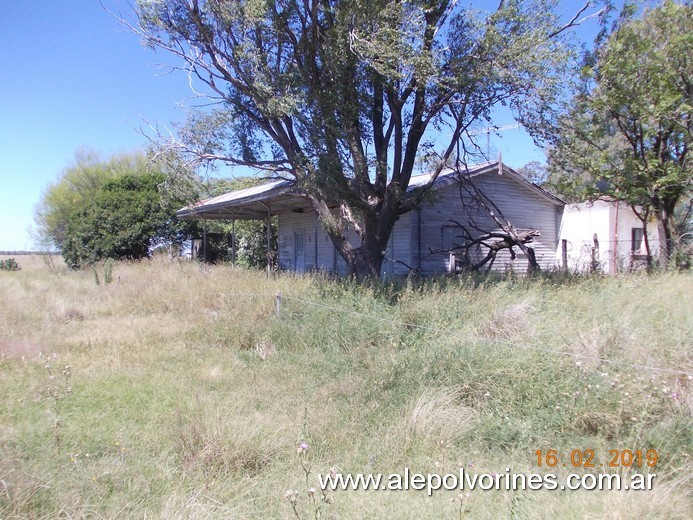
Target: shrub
x=9 y=265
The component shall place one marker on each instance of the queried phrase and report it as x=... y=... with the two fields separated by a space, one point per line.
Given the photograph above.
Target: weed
x=57 y=390
x=318 y=498
x=108 y=271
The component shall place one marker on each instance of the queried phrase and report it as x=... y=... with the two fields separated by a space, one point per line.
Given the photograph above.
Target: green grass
x=189 y=394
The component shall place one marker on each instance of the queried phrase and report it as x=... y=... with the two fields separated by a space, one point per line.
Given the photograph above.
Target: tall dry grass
x=189 y=394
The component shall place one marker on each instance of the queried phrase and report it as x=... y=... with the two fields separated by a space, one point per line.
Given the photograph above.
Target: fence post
x=278 y=302
x=595 y=255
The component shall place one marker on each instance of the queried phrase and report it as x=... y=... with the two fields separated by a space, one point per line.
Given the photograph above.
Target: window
x=637 y=241
x=451 y=240
x=452 y=237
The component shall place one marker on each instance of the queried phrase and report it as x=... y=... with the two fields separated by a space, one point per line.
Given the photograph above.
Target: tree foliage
x=535 y=172
x=78 y=184
x=109 y=209
x=628 y=135
x=344 y=95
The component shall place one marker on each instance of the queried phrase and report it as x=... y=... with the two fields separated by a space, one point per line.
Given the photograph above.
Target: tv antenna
x=492 y=129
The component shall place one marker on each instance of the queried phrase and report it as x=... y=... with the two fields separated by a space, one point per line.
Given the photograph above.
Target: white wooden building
x=603 y=235
x=423 y=240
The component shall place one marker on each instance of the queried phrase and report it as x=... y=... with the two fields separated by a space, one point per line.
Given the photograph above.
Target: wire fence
x=607 y=255
x=280 y=298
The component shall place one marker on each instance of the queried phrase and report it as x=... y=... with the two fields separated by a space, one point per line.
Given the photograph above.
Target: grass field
x=188 y=395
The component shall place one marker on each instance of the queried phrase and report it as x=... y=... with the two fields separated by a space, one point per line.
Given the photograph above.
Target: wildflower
x=460 y=498
x=302 y=448
x=311 y=491
x=291 y=495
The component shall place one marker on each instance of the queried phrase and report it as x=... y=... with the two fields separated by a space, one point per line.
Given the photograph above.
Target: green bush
x=9 y=265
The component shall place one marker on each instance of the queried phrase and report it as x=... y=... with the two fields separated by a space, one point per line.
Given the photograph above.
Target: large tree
x=343 y=95
x=628 y=134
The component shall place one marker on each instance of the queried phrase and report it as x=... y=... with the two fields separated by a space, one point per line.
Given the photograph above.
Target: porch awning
x=275 y=197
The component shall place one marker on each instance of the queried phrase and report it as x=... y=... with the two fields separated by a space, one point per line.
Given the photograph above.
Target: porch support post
x=233 y=242
x=269 y=234
x=204 y=240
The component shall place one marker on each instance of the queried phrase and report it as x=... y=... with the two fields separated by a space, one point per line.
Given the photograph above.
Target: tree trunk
x=644 y=217
x=648 y=250
x=365 y=262
x=374 y=229
x=665 y=236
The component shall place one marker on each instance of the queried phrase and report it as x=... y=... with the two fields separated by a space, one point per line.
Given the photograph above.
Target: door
x=299 y=252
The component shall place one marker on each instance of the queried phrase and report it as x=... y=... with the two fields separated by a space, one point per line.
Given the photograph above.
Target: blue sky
x=72 y=78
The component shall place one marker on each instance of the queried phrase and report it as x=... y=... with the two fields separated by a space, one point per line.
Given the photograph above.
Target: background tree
x=110 y=209
x=343 y=96
x=78 y=184
x=535 y=172
x=629 y=132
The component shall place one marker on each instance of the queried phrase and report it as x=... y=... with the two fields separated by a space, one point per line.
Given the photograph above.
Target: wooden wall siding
x=289 y=224
x=520 y=204
x=326 y=259
x=432 y=226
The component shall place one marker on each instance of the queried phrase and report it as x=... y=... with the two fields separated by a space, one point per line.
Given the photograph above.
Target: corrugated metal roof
x=277 y=196
x=239 y=195
x=251 y=198
x=448 y=175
